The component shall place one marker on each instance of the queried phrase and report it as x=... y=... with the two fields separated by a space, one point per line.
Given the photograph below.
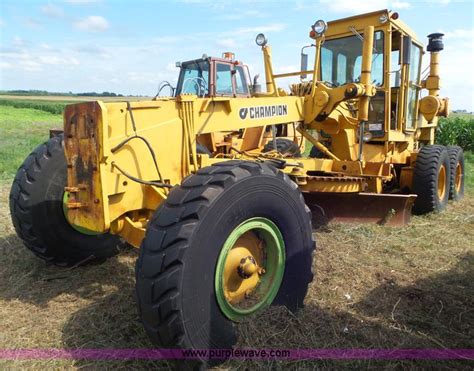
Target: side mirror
x=406 y=50
x=304 y=64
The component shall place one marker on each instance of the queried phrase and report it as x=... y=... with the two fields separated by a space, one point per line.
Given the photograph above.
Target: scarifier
x=211 y=185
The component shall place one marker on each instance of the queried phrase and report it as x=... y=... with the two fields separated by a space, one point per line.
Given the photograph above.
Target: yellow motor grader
x=212 y=187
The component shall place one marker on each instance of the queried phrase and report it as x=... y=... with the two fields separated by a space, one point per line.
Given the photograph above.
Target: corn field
x=457 y=130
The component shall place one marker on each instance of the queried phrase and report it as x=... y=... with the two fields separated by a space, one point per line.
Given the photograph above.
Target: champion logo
x=262 y=112
x=243 y=113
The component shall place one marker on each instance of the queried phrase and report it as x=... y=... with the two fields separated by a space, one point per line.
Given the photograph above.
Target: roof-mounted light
x=261 y=40
x=319 y=27
x=228 y=55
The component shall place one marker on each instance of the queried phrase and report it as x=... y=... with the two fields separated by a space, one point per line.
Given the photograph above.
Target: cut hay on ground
x=375 y=287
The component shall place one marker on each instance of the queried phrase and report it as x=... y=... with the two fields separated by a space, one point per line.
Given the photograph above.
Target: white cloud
x=49 y=59
x=5 y=65
x=352 y=6
x=56 y=60
x=81 y=2
x=33 y=23
x=400 y=5
x=363 y=6
x=460 y=33
x=93 y=23
x=168 y=39
x=18 y=42
x=2 y=23
x=29 y=65
x=248 y=14
x=52 y=11
x=457 y=81
x=355 y=6
x=287 y=69
x=277 y=27
x=226 y=43
x=72 y=60
x=96 y=51
x=171 y=67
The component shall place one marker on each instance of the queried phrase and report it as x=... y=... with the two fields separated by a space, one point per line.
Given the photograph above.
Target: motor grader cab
x=228 y=77
x=224 y=234
x=215 y=77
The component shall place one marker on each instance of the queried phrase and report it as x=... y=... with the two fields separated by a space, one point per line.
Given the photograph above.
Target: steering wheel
x=199 y=83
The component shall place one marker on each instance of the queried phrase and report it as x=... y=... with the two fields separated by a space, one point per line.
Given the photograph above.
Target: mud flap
x=386 y=209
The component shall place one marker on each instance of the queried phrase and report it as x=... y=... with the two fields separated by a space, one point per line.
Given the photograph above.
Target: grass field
x=375 y=287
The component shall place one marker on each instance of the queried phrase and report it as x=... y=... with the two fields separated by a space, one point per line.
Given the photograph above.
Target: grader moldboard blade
x=386 y=209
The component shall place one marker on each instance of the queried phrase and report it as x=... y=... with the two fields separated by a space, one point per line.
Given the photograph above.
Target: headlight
x=367 y=137
x=261 y=40
x=319 y=27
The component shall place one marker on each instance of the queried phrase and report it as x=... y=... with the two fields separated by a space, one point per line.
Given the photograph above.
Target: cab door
x=223 y=79
x=413 y=87
x=241 y=81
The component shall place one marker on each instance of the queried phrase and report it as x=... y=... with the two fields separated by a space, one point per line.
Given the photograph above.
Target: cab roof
x=341 y=26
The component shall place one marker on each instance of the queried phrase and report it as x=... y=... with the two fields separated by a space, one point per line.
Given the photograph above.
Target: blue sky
x=128 y=47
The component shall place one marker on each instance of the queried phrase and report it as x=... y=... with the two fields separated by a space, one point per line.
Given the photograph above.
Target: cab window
x=241 y=86
x=413 y=86
x=194 y=78
x=341 y=60
x=223 y=79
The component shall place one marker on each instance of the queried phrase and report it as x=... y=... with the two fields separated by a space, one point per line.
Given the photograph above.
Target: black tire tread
x=192 y=194
x=456 y=154
x=23 y=186
x=284 y=146
x=20 y=191
x=425 y=178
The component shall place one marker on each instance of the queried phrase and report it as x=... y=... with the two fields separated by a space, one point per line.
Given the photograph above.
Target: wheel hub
x=249 y=268
x=241 y=268
x=458 y=179
x=441 y=182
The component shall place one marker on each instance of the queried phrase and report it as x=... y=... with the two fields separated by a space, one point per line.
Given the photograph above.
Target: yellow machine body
x=124 y=157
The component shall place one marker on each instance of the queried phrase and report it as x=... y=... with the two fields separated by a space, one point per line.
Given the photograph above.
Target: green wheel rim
x=75 y=227
x=274 y=266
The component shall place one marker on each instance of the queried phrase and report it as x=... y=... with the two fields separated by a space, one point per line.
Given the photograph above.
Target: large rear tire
x=187 y=241
x=431 y=179
x=456 y=183
x=36 y=207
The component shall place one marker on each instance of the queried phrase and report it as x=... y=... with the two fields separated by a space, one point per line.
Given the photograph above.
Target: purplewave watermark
x=194 y=354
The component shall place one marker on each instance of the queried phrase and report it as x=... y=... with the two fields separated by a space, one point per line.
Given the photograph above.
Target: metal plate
x=387 y=209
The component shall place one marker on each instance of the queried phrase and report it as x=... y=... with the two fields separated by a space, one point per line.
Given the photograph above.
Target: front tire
x=431 y=179
x=186 y=242
x=36 y=208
